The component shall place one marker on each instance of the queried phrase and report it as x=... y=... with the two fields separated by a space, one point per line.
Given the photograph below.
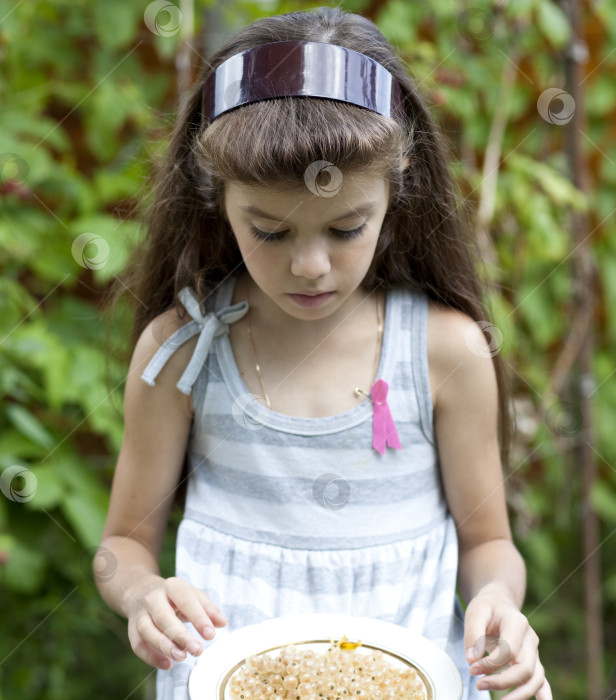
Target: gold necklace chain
x=257 y=367
x=357 y=391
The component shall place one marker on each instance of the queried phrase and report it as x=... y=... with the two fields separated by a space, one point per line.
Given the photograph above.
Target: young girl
x=307 y=337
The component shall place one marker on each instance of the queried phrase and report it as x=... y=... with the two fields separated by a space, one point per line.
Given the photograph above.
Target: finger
x=168 y=634
x=476 y=623
x=518 y=634
x=519 y=669
x=149 y=644
x=192 y=605
x=514 y=676
x=515 y=636
x=212 y=610
x=545 y=692
x=152 y=657
x=216 y=616
x=160 y=628
x=535 y=685
x=499 y=655
x=165 y=640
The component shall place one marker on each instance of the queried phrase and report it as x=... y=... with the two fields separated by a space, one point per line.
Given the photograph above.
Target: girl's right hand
x=156 y=610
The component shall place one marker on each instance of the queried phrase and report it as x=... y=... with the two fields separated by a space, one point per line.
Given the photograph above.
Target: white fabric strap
x=208 y=327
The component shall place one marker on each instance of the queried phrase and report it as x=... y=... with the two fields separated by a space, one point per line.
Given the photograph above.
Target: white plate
x=209 y=678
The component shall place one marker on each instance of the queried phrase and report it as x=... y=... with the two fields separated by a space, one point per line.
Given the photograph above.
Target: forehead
x=333 y=193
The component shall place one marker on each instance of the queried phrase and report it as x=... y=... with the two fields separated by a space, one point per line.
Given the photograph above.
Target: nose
x=310 y=259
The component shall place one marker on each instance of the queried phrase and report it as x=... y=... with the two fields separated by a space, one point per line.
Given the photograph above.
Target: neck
x=309 y=354
x=267 y=315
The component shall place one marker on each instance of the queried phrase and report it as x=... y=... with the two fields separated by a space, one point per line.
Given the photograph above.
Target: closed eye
x=274 y=236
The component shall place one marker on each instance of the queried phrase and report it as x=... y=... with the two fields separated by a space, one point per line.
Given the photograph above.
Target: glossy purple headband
x=300 y=69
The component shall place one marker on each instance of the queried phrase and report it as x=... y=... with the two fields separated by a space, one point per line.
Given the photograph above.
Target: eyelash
x=274 y=237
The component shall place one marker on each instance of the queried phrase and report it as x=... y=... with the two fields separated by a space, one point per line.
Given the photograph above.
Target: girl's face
x=305 y=252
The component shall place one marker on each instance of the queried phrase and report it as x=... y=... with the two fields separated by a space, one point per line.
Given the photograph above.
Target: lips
x=311 y=293
x=311 y=298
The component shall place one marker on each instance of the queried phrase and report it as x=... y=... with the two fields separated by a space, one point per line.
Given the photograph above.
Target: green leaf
x=535 y=305
x=29 y=425
x=503 y=319
x=50 y=488
x=36 y=126
x=603 y=499
x=3 y=519
x=25 y=568
x=610 y=588
x=601 y=97
x=553 y=23
x=86 y=515
x=557 y=186
x=607 y=266
x=15 y=447
x=541 y=552
x=516 y=9
x=115 y=22
x=102 y=243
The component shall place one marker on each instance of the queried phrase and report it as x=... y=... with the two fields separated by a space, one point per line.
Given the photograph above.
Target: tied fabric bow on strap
x=383 y=427
x=209 y=326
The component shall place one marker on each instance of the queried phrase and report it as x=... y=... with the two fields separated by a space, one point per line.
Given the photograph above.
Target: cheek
x=247 y=248
x=261 y=259
x=250 y=248
x=359 y=255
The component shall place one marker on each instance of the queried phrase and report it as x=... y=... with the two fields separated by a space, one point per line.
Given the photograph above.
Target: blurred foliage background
x=88 y=92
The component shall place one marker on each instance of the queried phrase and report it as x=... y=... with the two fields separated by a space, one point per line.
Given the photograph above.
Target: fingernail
x=178 y=653
x=194 y=648
x=470 y=654
x=208 y=631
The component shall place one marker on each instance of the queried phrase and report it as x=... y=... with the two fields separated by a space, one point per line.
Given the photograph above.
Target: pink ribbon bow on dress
x=383 y=427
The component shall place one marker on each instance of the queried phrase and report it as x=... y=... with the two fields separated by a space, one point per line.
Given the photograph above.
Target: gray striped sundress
x=288 y=515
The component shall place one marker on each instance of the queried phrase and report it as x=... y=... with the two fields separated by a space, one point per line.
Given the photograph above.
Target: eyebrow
x=354 y=211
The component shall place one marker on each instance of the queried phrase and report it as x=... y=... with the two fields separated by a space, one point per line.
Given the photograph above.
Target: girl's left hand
x=494 y=624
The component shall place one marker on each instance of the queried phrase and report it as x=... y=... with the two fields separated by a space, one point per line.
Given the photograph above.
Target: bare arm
x=157 y=424
x=492 y=575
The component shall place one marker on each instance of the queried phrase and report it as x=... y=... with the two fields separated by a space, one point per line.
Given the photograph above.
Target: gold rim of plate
x=425 y=678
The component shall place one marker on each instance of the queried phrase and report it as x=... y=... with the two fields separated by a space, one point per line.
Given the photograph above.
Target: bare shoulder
x=465 y=395
x=453 y=333
x=459 y=355
x=151 y=339
x=157 y=422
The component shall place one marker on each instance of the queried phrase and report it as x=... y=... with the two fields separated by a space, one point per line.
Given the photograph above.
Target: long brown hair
x=425 y=240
